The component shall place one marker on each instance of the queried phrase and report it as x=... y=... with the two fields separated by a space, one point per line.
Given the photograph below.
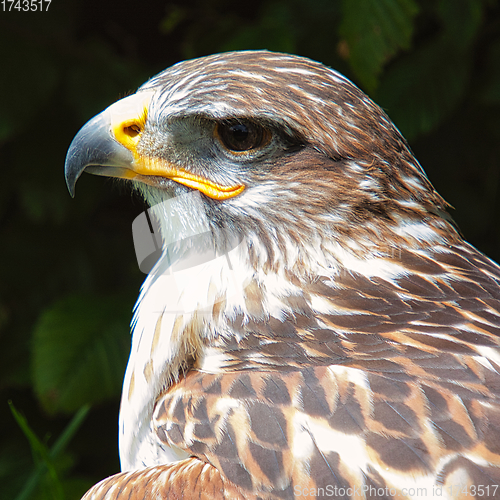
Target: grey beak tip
x=70 y=173
x=95 y=149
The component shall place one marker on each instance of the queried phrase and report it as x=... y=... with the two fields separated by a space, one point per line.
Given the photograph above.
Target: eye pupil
x=242 y=136
x=240 y=132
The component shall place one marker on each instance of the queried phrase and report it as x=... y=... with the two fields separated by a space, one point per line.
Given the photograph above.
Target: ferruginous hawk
x=316 y=326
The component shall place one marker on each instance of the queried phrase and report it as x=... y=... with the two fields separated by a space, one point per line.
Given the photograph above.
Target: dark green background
x=68 y=275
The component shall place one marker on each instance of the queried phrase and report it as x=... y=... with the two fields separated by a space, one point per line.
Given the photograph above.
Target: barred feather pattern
x=361 y=357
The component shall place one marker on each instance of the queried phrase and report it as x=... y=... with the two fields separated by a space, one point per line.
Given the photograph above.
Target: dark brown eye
x=242 y=135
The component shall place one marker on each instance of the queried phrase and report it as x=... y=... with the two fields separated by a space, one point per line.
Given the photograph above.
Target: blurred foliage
x=51 y=465
x=373 y=31
x=79 y=350
x=68 y=276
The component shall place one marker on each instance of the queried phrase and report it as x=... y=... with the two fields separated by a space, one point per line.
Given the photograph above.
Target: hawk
x=340 y=341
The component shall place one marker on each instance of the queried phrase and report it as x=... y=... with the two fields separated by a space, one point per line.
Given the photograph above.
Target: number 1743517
x=25 y=5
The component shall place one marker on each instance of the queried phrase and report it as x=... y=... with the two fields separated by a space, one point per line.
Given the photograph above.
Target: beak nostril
x=127 y=119
x=132 y=130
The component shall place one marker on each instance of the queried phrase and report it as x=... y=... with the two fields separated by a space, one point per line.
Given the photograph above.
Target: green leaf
x=80 y=349
x=45 y=459
x=421 y=89
x=42 y=460
x=375 y=30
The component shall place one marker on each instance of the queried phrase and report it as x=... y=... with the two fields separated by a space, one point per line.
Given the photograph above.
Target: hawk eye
x=240 y=136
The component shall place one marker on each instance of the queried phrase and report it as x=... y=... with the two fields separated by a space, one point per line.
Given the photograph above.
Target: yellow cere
x=128 y=118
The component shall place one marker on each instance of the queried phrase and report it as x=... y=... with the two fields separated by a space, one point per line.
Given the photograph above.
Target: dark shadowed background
x=68 y=274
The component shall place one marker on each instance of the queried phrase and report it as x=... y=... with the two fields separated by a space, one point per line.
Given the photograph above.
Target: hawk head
x=284 y=151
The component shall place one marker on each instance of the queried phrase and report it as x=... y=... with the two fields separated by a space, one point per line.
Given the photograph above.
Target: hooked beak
x=107 y=145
